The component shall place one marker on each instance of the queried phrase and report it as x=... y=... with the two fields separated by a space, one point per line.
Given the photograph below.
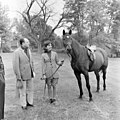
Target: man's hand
x=19 y=84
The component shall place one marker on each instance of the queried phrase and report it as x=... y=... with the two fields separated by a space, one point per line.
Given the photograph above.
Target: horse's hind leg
x=104 y=78
x=88 y=85
x=98 y=80
x=78 y=76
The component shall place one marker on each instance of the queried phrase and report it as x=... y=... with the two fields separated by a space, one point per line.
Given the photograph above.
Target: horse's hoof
x=80 y=97
x=90 y=100
x=97 y=91
x=104 y=89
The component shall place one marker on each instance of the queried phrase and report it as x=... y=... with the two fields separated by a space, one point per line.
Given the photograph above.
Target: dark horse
x=81 y=63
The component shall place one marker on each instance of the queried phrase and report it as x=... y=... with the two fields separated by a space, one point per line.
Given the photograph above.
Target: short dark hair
x=21 y=41
x=46 y=43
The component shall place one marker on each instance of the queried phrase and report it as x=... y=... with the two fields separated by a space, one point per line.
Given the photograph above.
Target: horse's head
x=67 y=40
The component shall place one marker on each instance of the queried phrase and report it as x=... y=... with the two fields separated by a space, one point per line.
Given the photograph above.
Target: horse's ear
x=70 y=32
x=63 y=32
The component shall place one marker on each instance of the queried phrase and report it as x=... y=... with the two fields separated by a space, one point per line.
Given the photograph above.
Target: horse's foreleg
x=88 y=85
x=78 y=76
x=98 y=80
x=104 y=78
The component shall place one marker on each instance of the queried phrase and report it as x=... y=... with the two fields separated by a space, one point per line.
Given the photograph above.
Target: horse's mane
x=77 y=44
x=78 y=49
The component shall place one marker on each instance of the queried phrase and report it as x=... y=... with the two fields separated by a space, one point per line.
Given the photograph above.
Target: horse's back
x=101 y=59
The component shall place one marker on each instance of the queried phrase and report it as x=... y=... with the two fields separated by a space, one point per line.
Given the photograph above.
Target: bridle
x=68 y=44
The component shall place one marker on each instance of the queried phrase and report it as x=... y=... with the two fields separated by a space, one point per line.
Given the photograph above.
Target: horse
x=82 y=64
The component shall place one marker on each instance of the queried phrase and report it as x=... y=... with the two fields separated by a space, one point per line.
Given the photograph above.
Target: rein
x=52 y=74
x=49 y=78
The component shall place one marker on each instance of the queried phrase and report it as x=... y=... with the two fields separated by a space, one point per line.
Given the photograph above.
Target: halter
x=68 y=44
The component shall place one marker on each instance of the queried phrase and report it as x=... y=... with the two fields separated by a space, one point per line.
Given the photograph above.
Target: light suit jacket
x=49 y=65
x=22 y=65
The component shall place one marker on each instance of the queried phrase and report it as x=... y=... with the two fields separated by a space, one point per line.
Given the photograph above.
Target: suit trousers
x=26 y=93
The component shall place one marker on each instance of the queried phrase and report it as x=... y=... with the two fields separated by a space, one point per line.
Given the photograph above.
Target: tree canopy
x=92 y=21
x=5 y=33
x=35 y=25
x=96 y=17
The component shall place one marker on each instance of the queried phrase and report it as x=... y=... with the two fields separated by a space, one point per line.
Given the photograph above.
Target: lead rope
x=69 y=57
x=49 y=78
x=44 y=94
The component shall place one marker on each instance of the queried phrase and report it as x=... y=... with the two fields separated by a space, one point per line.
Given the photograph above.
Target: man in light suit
x=23 y=69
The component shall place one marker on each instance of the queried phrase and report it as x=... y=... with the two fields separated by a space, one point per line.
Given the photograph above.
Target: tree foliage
x=75 y=14
x=35 y=25
x=114 y=12
x=98 y=17
x=4 y=21
x=5 y=33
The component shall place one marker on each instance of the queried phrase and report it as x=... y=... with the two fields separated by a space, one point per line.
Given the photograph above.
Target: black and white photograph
x=59 y=59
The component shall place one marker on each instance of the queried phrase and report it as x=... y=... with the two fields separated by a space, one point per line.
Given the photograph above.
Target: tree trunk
x=0 y=45
x=39 y=48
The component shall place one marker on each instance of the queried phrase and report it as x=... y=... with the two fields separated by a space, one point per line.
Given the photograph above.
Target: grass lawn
x=104 y=107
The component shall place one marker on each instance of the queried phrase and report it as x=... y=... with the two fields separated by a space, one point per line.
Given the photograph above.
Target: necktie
x=27 y=53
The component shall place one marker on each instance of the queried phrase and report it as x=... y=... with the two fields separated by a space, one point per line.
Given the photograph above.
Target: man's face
x=26 y=43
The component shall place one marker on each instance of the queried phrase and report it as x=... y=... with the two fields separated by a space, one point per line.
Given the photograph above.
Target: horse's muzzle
x=68 y=47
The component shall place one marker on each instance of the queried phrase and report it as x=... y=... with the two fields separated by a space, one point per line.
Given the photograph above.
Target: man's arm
x=31 y=59
x=16 y=64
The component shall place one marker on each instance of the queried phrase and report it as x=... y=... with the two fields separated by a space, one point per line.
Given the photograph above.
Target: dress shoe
x=50 y=100
x=30 y=105
x=24 y=107
x=53 y=100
